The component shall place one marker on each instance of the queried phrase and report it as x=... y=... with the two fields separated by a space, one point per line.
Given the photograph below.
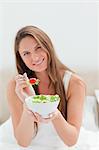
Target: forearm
x=67 y=132
x=25 y=130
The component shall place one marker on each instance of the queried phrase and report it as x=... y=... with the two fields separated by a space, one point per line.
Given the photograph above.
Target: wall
x=72 y=26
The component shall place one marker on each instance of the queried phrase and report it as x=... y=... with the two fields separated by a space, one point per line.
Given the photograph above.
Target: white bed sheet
x=88 y=140
x=7 y=146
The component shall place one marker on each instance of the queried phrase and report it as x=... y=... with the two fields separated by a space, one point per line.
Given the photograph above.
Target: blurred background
x=71 y=24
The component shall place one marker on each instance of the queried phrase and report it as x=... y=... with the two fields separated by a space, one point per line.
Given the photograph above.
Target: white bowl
x=42 y=108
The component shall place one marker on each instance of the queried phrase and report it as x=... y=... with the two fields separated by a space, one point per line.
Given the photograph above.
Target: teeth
x=38 y=62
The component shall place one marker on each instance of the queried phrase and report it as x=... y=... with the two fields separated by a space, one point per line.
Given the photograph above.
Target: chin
x=39 y=69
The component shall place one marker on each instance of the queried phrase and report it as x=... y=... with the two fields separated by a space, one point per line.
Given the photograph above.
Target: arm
x=69 y=130
x=23 y=122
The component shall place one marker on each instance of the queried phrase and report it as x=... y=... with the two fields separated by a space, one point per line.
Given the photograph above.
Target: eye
x=38 y=48
x=26 y=53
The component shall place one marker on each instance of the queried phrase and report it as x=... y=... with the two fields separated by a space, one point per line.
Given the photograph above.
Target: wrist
x=26 y=110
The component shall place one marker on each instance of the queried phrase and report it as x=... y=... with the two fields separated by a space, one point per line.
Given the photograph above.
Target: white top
x=47 y=137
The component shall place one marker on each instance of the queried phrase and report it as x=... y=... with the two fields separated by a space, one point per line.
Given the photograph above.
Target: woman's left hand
x=50 y=117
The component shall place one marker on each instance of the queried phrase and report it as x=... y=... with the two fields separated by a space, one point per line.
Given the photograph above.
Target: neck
x=44 y=86
x=43 y=77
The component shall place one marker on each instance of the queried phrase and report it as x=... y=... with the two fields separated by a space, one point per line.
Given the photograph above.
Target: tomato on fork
x=34 y=81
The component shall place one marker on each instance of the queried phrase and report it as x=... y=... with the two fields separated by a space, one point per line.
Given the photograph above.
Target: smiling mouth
x=40 y=62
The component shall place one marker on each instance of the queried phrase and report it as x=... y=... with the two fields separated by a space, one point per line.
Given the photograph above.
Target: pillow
x=90 y=116
x=97 y=94
x=87 y=140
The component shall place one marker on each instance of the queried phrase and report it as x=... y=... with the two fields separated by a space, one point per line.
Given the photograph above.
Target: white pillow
x=6 y=132
x=88 y=140
x=90 y=116
x=97 y=94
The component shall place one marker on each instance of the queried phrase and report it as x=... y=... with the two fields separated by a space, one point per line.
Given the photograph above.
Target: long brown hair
x=54 y=64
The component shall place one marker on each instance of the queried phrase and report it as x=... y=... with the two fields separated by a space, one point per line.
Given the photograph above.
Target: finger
x=22 y=84
x=49 y=118
x=41 y=119
x=54 y=115
x=25 y=76
x=38 y=116
x=30 y=113
x=19 y=76
x=20 y=79
x=46 y=120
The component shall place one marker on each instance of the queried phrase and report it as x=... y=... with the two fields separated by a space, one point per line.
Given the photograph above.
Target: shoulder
x=13 y=100
x=11 y=94
x=62 y=72
x=77 y=80
x=76 y=85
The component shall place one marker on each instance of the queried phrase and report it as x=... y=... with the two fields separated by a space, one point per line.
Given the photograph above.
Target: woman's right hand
x=22 y=88
x=36 y=118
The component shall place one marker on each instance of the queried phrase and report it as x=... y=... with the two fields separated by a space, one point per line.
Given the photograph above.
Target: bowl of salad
x=42 y=104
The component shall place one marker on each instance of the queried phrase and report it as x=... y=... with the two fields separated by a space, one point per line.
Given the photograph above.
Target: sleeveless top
x=47 y=137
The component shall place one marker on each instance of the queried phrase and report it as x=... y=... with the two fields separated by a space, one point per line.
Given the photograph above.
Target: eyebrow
x=26 y=50
x=36 y=46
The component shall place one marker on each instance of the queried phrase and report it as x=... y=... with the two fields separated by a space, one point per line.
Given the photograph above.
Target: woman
x=36 y=57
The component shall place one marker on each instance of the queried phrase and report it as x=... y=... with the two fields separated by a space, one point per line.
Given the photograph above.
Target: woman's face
x=34 y=57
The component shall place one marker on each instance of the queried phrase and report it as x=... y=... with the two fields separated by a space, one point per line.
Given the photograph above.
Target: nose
x=35 y=58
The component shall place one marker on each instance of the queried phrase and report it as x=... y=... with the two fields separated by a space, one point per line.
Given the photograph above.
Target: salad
x=45 y=98
x=30 y=82
x=33 y=81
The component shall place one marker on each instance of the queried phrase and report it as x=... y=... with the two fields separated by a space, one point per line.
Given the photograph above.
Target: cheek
x=25 y=60
x=45 y=55
x=47 y=59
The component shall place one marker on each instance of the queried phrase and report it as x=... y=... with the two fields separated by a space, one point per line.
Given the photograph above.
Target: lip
x=39 y=63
